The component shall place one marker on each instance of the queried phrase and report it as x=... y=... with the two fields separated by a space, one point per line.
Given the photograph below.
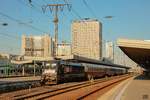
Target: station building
x=64 y=49
x=37 y=46
x=110 y=51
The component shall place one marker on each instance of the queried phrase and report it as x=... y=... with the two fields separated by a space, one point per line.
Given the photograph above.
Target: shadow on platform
x=142 y=77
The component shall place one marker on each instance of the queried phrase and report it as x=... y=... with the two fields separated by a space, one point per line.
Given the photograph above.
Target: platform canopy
x=81 y=59
x=137 y=50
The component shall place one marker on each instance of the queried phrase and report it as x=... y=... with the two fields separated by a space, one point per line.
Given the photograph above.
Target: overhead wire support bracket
x=55 y=8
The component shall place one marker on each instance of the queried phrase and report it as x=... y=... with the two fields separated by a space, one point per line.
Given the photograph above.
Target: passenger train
x=62 y=71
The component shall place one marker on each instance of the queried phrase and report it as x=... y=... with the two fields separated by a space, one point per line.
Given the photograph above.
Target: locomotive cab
x=49 y=74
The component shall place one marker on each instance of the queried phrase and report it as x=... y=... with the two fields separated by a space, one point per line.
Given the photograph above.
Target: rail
x=55 y=92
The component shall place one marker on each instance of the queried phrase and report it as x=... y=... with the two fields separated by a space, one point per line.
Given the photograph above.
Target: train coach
x=62 y=71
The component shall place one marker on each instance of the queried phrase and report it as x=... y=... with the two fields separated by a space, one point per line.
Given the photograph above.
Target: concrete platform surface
x=139 y=89
x=135 y=88
x=18 y=79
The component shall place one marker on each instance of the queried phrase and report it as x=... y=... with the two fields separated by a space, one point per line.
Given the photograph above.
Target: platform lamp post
x=34 y=67
x=6 y=66
x=103 y=48
x=110 y=18
x=113 y=51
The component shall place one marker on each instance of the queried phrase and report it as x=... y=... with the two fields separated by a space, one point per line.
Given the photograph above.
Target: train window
x=2 y=71
x=77 y=69
x=73 y=69
x=70 y=69
x=66 y=69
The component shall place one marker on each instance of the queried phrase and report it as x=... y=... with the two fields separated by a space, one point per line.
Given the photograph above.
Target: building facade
x=87 y=38
x=37 y=46
x=64 y=49
x=110 y=51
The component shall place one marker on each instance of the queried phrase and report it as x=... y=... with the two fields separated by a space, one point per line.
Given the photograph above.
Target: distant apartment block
x=109 y=50
x=64 y=49
x=5 y=55
x=37 y=46
x=87 y=38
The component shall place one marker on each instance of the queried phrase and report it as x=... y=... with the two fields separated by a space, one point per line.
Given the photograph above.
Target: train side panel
x=71 y=72
x=94 y=71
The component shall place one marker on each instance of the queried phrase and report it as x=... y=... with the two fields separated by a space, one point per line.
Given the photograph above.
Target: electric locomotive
x=61 y=71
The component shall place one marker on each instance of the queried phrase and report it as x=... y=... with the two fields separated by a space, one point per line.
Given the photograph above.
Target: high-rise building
x=37 y=46
x=87 y=38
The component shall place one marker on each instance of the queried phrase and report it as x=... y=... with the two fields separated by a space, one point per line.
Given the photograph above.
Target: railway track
x=14 y=86
x=37 y=90
x=76 y=91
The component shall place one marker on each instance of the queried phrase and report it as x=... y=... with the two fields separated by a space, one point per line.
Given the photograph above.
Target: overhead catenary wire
x=9 y=47
x=5 y=44
x=10 y=36
x=44 y=1
x=76 y=13
x=33 y=7
x=25 y=4
x=20 y=22
x=63 y=22
x=73 y=10
x=89 y=8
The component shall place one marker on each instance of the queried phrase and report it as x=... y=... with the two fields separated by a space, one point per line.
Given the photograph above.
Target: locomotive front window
x=50 y=69
x=53 y=66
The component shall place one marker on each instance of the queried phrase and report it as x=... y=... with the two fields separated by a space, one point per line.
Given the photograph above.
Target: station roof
x=137 y=50
x=21 y=62
x=81 y=59
x=29 y=60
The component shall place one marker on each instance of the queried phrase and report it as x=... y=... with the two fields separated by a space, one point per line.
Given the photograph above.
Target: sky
x=130 y=19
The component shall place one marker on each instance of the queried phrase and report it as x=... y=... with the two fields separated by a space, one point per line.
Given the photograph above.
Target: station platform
x=18 y=79
x=135 y=88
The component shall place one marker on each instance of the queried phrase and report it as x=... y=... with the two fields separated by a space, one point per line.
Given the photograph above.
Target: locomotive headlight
x=53 y=65
x=47 y=64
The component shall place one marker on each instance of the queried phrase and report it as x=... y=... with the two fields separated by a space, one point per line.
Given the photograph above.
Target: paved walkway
x=18 y=79
x=137 y=88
